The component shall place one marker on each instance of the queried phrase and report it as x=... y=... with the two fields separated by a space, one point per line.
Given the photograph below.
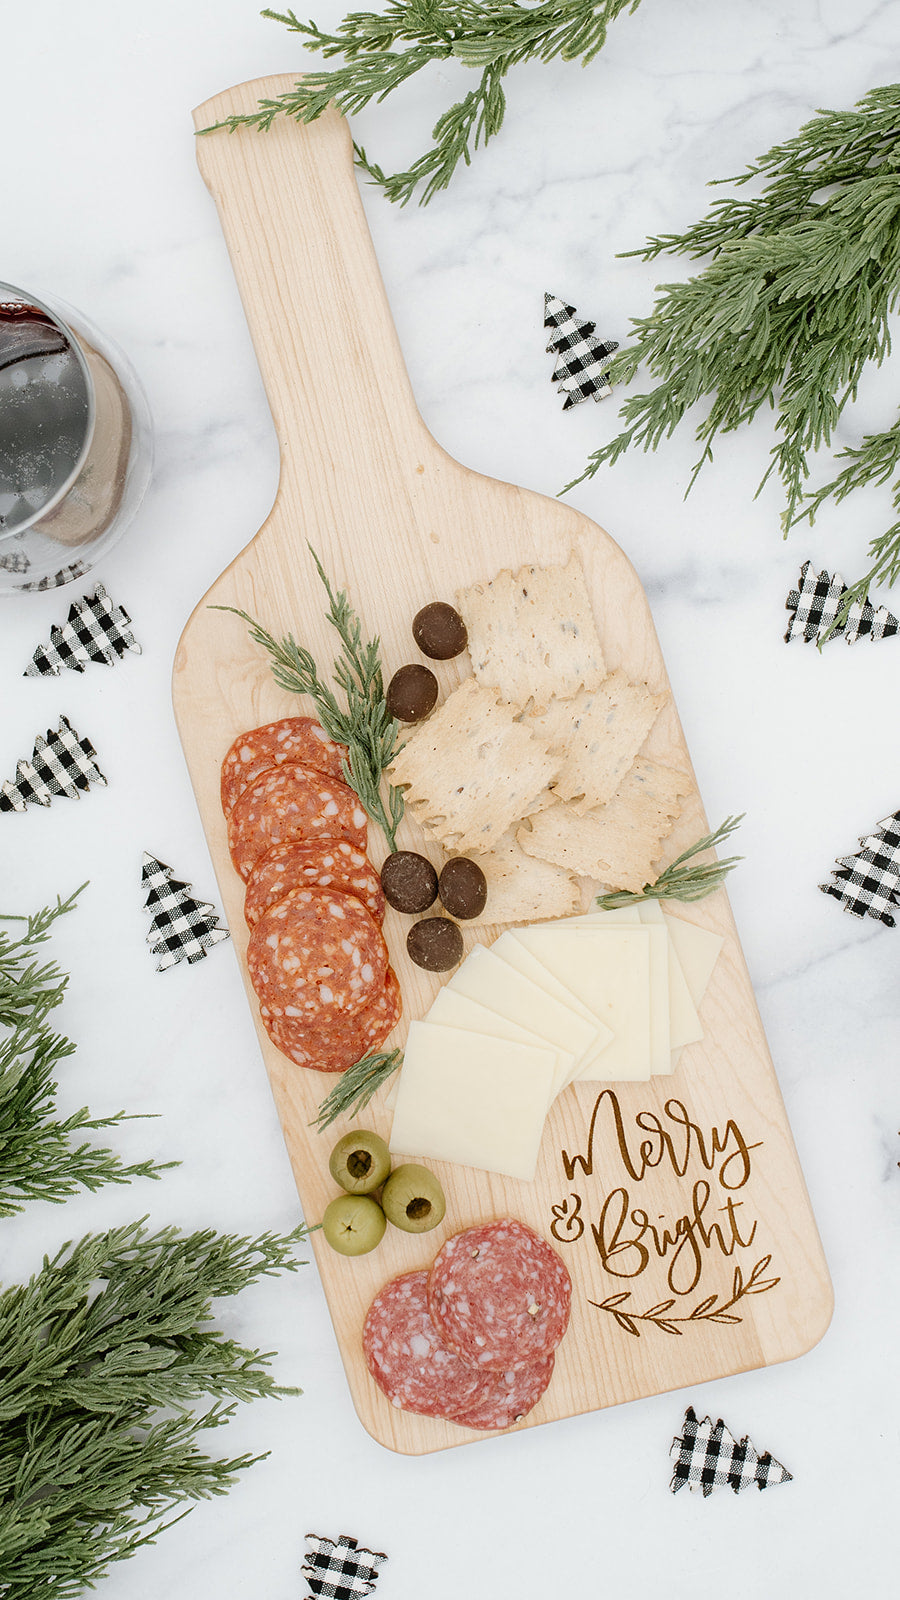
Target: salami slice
x=296 y=739
x=407 y=1357
x=324 y=864
x=292 y=803
x=499 y=1296
x=316 y=956
x=336 y=1045
x=506 y=1397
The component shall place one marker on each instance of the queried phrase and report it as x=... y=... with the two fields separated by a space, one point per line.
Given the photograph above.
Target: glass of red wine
x=75 y=443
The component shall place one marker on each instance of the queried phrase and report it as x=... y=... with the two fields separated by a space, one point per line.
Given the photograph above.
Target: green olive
x=413 y=1199
x=360 y=1161
x=353 y=1224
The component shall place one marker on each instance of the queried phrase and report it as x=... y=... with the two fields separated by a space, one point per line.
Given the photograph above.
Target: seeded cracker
x=532 y=634
x=619 y=843
x=598 y=735
x=522 y=888
x=471 y=770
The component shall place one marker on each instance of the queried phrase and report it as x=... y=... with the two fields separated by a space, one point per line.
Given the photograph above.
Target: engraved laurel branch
x=708 y=1310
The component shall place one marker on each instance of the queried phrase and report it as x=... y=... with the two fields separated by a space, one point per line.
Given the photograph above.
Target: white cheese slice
x=609 y=971
x=487 y=979
x=510 y=949
x=481 y=1106
x=454 y=1010
x=697 y=950
x=684 y=1024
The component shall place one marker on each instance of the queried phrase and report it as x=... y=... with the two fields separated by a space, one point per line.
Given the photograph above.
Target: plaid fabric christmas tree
x=708 y=1457
x=96 y=630
x=815 y=604
x=866 y=884
x=581 y=358
x=182 y=928
x=339 y=1570
x=63 y=763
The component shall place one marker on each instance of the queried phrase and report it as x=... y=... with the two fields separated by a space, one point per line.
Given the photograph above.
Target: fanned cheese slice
x=684 y=1024
x=698 y=951
x=614 y=984
x=487 y=979
x=472 y=1099
x=454 y=1010
x=512 y=952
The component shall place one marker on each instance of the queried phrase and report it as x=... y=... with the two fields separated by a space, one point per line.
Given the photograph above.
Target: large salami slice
x=499 y=1296
x=316 y=956
x=296 y=739
x=292 y=803
x=335 y=1045
x=407 y=1357
x=506 y=1397
x=324 y=864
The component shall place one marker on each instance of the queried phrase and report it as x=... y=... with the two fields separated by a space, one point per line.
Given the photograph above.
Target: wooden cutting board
x=689 y=1188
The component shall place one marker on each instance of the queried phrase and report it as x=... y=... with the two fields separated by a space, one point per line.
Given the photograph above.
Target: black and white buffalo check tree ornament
x=816 y=602
x=340 y=1571
x=708 y=1457
x=96 y=630
x=581 y=358
x=867 y=883
x=182 y=928
x=63 y=763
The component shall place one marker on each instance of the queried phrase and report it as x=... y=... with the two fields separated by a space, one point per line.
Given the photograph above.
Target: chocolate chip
x=435 y=944
x=412 y=693
x=462 y=887
x=439 y=631
x=410 y=883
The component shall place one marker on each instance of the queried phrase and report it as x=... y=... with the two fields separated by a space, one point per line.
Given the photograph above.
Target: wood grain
x=398 y=523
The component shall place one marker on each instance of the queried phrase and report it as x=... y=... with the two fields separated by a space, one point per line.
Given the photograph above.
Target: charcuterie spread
x=529 y=783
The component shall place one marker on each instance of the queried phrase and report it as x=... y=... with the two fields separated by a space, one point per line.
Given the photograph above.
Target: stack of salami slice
x=297 y=835
x=473 y=1340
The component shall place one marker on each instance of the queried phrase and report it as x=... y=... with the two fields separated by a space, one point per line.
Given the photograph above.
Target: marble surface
x=104 y=207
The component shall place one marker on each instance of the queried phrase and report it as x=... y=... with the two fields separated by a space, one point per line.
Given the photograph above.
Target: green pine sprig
x=104 y=1355
x=788 y=312
x=356 y=1086
x=686 y=878
x=365 y=726
x=39 y=1158
x=380 y=50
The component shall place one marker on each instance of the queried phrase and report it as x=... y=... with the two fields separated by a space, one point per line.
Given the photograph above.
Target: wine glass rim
x=12 y=291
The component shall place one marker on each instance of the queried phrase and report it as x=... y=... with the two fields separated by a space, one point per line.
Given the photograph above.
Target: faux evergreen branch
x=380 y=50
x=788 y=312
x=365 y=727
x=685 y=878
x=356 y=1086
x=111 y=1334
x=39 y=1159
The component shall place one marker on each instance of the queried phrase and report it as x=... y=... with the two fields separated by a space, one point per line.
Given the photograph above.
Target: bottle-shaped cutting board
x=677 y=1204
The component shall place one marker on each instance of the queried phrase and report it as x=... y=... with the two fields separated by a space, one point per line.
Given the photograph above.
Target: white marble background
x=103 y=206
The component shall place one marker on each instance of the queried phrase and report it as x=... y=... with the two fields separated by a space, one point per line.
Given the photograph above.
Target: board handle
x=306 y=269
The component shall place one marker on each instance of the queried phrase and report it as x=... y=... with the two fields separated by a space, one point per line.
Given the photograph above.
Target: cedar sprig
x=356 y=1086
x=491 y=38
x=39 y=1159
x=113 y=1333
x=685 y=878
x=789 y=311
x=366 y=727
